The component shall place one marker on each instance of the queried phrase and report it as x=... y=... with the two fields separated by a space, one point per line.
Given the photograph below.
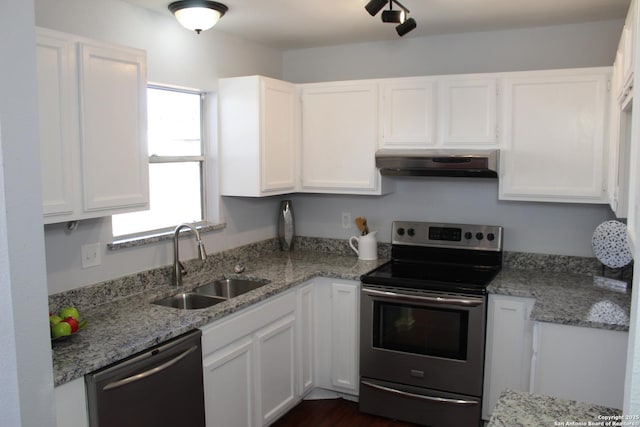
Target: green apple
x=69 y=312
x=60 y=329
x=53 y=319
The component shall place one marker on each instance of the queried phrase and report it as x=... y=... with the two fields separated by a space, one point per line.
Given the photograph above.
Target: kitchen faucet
x=178 y=268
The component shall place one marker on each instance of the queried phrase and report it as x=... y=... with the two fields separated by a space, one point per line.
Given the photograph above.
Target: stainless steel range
x=422 y=324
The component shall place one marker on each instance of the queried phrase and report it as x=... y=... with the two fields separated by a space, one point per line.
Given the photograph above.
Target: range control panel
x=462 y=236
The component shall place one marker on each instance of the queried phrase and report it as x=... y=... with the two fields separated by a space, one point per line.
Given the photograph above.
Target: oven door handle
x=465 y=302
x=420 y=396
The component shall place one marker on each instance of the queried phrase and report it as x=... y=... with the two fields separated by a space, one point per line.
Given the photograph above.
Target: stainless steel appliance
x=422 y=324
x=428 y=162
x=160 y=387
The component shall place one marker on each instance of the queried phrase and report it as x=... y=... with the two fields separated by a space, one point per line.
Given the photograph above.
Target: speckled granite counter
x=122 y=322
x=566 y=298
x=520 y=409
x=128 y=325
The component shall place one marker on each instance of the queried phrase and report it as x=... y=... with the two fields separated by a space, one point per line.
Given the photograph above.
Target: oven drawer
x=417 y=405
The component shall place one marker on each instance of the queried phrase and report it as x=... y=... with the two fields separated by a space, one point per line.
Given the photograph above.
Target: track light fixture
x=394 y=16
x=406 y=26
x=197 y=15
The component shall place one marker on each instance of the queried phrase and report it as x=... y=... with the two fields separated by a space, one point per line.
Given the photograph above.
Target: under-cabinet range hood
x=427 y=162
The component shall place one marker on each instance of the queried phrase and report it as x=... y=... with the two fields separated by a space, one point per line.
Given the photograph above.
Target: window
x=176 y=163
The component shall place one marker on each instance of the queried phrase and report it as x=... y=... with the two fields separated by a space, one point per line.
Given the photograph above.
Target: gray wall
x=178 y=57
x=530 y=227
x=580 y=45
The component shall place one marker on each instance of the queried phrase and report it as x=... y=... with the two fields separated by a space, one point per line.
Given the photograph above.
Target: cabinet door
x=71 y=404
x=468 y=112
x=576 y=363
x=408 y=113
x=345 y=337
x=229 y=385
x=627 y=41
x=554 y=136
x=275 y=358
x=278 y=146
x=508 y=348
x=306 y=337
x=113 y=139
x=339 y=134
x=58 y=123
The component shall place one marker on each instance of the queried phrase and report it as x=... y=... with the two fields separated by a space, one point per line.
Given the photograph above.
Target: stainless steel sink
x=189 y=301
x=229 y=288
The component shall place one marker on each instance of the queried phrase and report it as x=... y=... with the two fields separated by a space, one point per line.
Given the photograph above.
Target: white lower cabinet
x=508 y=348
x=306 y=334
x=577 y=363
x=229 y=385
x=250 y=364
x=337 y=335
x=71 y=404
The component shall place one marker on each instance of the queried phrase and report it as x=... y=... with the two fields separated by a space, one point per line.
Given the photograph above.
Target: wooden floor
x=333 y=413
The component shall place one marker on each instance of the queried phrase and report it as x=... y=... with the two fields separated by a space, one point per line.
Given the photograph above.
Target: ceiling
x=293 y=24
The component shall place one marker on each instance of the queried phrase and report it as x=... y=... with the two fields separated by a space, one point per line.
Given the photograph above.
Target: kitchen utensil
x=361 y=223
x=610 y=244
x=367 y=246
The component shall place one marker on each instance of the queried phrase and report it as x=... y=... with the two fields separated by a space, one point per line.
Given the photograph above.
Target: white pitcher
x=367 y=249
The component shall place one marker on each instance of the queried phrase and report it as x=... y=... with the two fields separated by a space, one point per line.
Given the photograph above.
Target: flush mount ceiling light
x=198 y=15
x=393 y=16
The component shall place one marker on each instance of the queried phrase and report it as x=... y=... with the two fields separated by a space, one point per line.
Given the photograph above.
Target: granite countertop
x=121 y=320
x=521 y=409
x=566 y=298
x=118 y=329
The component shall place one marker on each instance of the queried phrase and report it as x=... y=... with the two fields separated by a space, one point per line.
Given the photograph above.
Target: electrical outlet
x=90 y=255
x=346 y=219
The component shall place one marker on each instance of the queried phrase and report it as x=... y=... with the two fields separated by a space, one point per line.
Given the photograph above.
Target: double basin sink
x=211 y=294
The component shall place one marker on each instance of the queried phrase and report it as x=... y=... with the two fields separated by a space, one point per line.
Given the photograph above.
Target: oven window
x=421 y=330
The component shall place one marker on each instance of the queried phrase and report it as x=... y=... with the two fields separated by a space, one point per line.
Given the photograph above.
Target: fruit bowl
x=81 y=324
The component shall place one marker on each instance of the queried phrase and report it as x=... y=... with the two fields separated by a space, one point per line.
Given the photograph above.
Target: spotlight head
x=375 y=6
x=406 y=26
x=396 y=16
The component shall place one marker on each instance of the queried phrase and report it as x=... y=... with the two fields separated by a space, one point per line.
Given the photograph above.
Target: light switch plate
x=90 y=255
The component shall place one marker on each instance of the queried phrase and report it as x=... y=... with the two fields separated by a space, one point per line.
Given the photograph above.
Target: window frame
x=204 y=224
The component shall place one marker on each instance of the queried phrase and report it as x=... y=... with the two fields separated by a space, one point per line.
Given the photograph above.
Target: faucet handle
x=239 y=268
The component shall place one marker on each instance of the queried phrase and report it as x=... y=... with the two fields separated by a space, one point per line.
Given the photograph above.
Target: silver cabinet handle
x=466 y=302
x=420 y=396
x=152 y=371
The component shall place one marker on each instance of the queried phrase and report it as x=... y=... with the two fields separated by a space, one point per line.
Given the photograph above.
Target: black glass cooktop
x=449 y=277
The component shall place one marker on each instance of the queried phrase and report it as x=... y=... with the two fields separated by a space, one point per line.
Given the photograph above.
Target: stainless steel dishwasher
x=160 y=387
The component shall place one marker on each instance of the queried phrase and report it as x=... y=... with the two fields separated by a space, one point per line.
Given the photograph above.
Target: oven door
x=425 y=339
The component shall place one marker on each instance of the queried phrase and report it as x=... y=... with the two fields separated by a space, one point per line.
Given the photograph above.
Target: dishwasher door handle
x=152 y=371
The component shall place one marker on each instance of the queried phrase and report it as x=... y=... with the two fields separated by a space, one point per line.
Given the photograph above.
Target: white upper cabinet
x=627 y=43
x=259 y=131
x=439 y=112
x=467 y=110
x=408 y=113
x=92 y=109
x=554 y=130
x=620 y=110
x=339 y=138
